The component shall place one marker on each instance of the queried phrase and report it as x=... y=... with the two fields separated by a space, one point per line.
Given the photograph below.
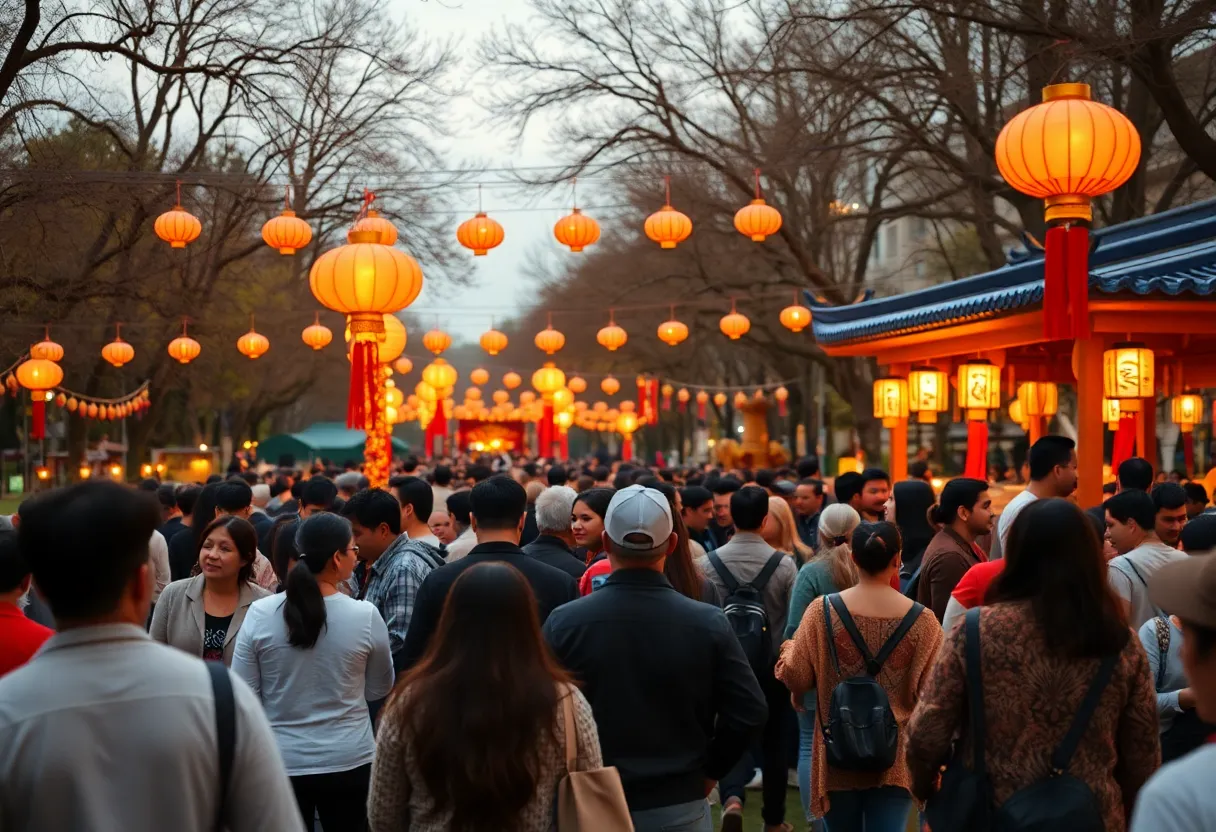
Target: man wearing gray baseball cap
x=675 y=700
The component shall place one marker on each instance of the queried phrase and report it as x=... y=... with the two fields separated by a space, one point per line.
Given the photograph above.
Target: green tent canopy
x=323 y=440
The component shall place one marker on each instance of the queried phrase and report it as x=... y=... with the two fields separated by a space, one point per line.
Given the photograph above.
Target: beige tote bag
x=588 y=801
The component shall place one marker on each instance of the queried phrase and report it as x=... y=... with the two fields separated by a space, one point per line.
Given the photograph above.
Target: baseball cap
x=637 y=512
x=1187 y=589
x=785 y=488
x=1199 y=535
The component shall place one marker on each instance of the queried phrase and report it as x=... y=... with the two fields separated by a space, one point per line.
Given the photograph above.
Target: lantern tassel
x=1055 y=284
x=781 y=410
x=977 y=450
x=1188 y=451
x=627 y=448
x=683 y=407
x=667 y=402
x=38 y=416
x=1078 y=280
x=1125 y=440
x=701 y=411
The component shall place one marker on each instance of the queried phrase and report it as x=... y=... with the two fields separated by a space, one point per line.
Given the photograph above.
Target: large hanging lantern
x=436 y=340
x=511 y=380
x=611 y=337
x=390 y=343
x=576 y=230
x=757 y=220
x=316 y=335
x=671 y=331
x=252 y=344
x=473 y=394
x=439 y=374
x=563 y=397
x=1187 y=411
x=373 y=222
x=501 y=397
x=734 y=325
x=667 y=226
x=184 y=349
x=795 y=317
x=577 y=385
x=480 y=234
x=479 y=376
x=610 y=385
x=548 y=379
x=549 y=340
x=1017 y=413
x=403 y=366
x=1040 y=398
x=928 y=394
x=365 y=280
x=1127 y=375
x=979 y=391
x=178 y=227
x=890 y=401
x=287 y=232
x=493 y=341
x=39 y=376
x=1067 y=151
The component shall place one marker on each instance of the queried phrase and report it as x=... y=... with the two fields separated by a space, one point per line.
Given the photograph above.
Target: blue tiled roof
x=1169 y=253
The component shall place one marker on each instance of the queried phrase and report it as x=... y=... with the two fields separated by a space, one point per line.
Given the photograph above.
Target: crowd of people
x=456 y=650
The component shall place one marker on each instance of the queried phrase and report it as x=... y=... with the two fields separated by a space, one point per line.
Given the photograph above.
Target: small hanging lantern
x=683 y=396
x=118 y=352
x=436 y=340
x=548 y=380
x=1040 y=398
x=795 y=317
x=526 y=397
x=549 y=340
x=667 y=391
x=1127 y=375
x=667 y=226
x=671 y=331
x=1017 y=413
x=979 y=391
x=740 y=399
x=184 y=349
x=481 y=233
x=479 y=376
x=252 y=344
x=501 y=397
x=439 y=374
x=287 y=232
x=403 y=366
x=757 y=220
x=577 y=385
x=928 y=394
x=372 y=223
x=46 y=348
x=493 y=341
x=782 y=395
x=473 y=394
x=610 y=386
x=178 y=227
x=316 y=335
x=511 y=380
x=890 y=401
x=1187 y=411
x=611 y=337
x=1110 y=413
x=720 y=399
x=734 y=325
x=39 y=376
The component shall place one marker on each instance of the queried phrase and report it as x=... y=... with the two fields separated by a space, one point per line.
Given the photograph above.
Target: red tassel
x=1055 y=284
x=683 y=407
x=354 y=398
x=781 y=409
x=667 y=402
x=1125 y=440
x=38 y=416
x=653 y=387
x=1078 y=280
x=627 y=449
x=701 y=411
x=977 y=451
x=1188 y=451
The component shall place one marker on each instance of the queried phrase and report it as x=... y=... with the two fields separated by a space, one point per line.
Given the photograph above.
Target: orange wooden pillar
x=1146 y=432
x=899 y=451
x=1087 y=361
x=1036 y=428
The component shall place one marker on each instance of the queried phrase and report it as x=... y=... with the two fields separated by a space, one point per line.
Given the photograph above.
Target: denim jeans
x=882 y=809
x=806 y=739
x=682 y=817
x=771 y=758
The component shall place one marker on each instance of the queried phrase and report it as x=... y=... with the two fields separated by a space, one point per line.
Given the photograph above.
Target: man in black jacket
x=674 y=697
x=553 y=545
x=497 y=518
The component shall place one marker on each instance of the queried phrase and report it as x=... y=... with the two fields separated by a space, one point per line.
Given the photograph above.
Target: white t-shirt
x=1129 y=575
x=1005 y=522
x=1179 y=797
x=158 y=556
x=316 y=699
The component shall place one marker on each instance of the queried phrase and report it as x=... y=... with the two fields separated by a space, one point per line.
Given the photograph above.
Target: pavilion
x=1150 y=282
x=321 y=440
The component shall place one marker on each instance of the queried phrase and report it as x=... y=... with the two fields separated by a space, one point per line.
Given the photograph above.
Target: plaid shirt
x=392 y=582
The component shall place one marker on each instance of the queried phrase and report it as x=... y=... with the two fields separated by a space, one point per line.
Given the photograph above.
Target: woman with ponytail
x=315 y=657
x=963 y=514
x=830 y=570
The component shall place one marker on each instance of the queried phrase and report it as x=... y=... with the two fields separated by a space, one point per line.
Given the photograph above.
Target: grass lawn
x=752 y=821
x=8 y=505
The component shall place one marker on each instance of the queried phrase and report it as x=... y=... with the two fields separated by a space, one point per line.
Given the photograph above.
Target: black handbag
x=1058 y=802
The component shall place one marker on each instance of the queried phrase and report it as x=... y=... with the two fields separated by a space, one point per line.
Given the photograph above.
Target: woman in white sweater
x=316 y=657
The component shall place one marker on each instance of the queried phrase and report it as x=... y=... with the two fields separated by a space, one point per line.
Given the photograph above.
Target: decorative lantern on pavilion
x=1017 y=413
x=782 y=395
x=576 y=385
x=365 y=280
x=734 y=325
x=436 y=340
x=493 y=341
x=39 y=375
x=252 y=344
x=118 y=352
x=481 y=233
x=178 y=227
x=286 y=232
x=549 y=340
x=183 y=348
x=316 y=334
x=928 y=393
x=1187 y=411
x=1110 y=413
x=979 y=391
x=403 y=365
x=1067 y=151
x=611 y=337
x=757 y=220
x=671 y=331
x=1041 y=398
x=479 y=376
x=890 y=401
x=667 y=226
x=1127 y=375
x=610 y=386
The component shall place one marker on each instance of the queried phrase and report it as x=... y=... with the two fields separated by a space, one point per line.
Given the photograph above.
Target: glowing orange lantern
x=671 y=331
x=667 y=226
x=286 y=232
x=38 y=375
x=390 y=343
x=439 y=374
x=577 y=385
x=403 y=366
x=371 y=221
x=782 y=395
x=610 y=386
x=928 y=393
x=890 y=400
x=511 y=380
x=317 y=335
x=795 y=317
x=757 y=220
x=720 y=399
x=549 y=340
x=252 y=344
x=1067 y=151
x=493 y=341
x=501 y=397
x=548 y=379
x=183 y=348
x=480 y=234
x=178 y=227
x=576 y=230
x=1187 y=411
x=479 y=376
x=47 y=349
x=1040 y=398
x=611 y=337
x=436 y=340
x=734 y=325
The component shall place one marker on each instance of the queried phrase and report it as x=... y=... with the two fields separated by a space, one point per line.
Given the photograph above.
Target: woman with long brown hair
x=473 y=738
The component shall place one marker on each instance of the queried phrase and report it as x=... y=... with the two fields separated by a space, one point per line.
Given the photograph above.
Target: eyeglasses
x=354 y=549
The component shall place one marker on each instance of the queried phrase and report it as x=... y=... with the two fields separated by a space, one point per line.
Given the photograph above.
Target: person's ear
x=672 y=543
x=473 y=523
x=519 y=527
x=142 y=585
x=604 y=540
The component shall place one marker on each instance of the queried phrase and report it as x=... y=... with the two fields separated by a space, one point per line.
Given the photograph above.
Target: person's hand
x=796 y=701
x=1186 y=699
x=709 y=786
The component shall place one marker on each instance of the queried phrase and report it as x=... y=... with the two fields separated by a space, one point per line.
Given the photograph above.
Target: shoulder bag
x=592 y=800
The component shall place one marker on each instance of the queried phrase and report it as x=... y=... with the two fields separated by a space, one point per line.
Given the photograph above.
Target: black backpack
x=744 y=610
x=1057 y=803
x=860 y=733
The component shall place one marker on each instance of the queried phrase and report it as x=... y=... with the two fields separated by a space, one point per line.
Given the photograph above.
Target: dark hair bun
x=875 y=546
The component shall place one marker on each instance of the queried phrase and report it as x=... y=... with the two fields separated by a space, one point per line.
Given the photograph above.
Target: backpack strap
x=827 y=620
x=225 y=730
x=1132 y=566
x=897 y=636
x=975 y=689
x=760 y=581
x=1062 y=756
x=731 y=584
x=1162 y=625
x=850 y=627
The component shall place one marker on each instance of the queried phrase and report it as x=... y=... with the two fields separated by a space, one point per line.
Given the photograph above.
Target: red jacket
x=20 y=638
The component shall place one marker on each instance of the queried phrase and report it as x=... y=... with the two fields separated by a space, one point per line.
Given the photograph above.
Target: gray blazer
x=178 y=618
